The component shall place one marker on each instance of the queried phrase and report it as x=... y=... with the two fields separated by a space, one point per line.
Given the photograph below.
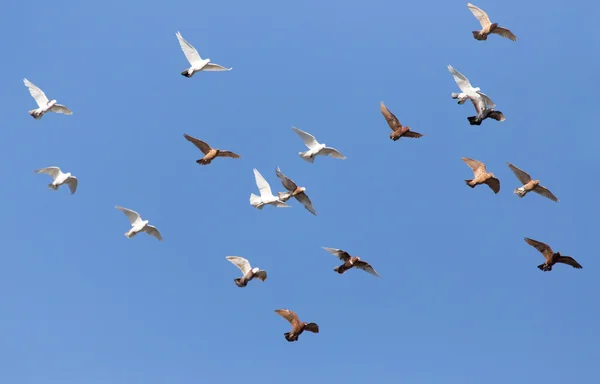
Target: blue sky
x=460 y=299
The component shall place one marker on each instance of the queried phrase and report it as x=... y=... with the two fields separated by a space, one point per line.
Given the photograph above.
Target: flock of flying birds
x=484 y=108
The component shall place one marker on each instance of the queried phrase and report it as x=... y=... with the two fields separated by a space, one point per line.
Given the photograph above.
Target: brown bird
x=294 y=191
x=487 y=27
x=397 y=129
x=297 y=326
x=350 y=262
x=530 y=185
x=481 y=176
x=551 y=257
x=248 y=273
x=209 y=153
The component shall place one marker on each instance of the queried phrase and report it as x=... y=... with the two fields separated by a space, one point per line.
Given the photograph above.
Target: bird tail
x=519 y=192
x=455 y=95
x=255 y=201
x=283 y=196
x=478 y=36
x=339 y=269
x=544 y=267
x=238 y=282
x=35 y=115
x=186 y=73
x=474 y=120
x=202 y=161
x=289 y=336
x=469 y=183
x=306 y=157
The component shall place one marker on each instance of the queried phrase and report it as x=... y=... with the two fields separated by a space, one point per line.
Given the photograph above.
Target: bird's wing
x=333 y=153
x=478 y=103
x=462 y=82
x=52 y=171
x=288 y=315
x=281 y=204
x=487 y=99
x=543 y=191
x=261 y=183
x=391 y=119
x=413 y=134
x=215 y=67
x=339 y=253
x=309 y=140
x=542 y=247
x=521 y=174
x=151 y=230
x=483 y=18
x=59 y=108
x=477 y=166
x=241 y=263
x=201 y=145
x=191 y=54
x=286 y=181
x=494 y=184
x=360 y=264
x=569 y=261
x=72 y=183
x=303 y=198
x=38 y=95
x=505 y=33
x=133 y=216
x=228 y=154
x=261 y=275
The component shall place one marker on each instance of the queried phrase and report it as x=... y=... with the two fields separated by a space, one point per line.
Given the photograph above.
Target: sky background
x=460 y=299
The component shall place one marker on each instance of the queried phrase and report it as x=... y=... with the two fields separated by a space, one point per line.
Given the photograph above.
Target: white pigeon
x=266 y=196
x=315 y=148
x=138 y=225
x=197 y=63
x=467 y=90
x=248 y=273
x=44 y=105
x=59 y=178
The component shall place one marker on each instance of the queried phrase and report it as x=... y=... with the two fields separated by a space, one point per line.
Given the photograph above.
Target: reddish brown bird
x=297 y=326
x=481 y=175
x=209 y=153
x=398 y=130
x=350 y=262
x=551 y=256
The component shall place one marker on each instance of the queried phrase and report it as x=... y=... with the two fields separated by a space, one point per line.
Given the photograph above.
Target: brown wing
x=542 y=247
x=365 y=267
x=505 y=33
x=285 y=181
x=340 y=254
x=303 y=198
x=312 y=327
x=545 y=192
x=413 y=134
x=228 y=154
x=204 y=147
x=289 y=316
x=477 y=166
x=521 y=174
x=480 y=14
x=391 y=119
x=569 y=261
x=494 y=184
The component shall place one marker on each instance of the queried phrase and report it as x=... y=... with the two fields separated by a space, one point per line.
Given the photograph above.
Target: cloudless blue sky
x=460 y=299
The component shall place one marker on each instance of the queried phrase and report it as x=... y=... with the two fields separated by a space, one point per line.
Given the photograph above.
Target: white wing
x=151 y=230
x=462 y=82
x=241 y=263
x=280 y=204
x=133 y=216
x=191 y=54
x=72 y=183
x=38 y=95
x=59 y=108
x=263 y=186
x=483 y=17
x=487 y=100
x=309 y=140
x=215 y=67
x=333 y=153
x=52 y=171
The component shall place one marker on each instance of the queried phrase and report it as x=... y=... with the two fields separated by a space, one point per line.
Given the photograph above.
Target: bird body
x=551 y=256
x=59 y=178
x=487 y=27
x=530 y=185
x=209 y=153
x=398 y=130
x=350 y=262
x=299 y=193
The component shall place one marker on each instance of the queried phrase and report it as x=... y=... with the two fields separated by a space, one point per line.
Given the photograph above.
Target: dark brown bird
x=551 y=256
x=209 y=153
x=398 y=130
x=350 y=262
x=297 y=326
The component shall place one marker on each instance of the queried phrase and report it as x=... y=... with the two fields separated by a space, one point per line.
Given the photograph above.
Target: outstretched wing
x=289 y=316
x=391 y=119
x=487 y=100
x=38 y=95
x=59 y=108
x=286 y=181
x=333 y=153
x=339 y=253
x=191 y=54
x=133 y=216
x=72 y=183
x=261 y=183
x=52 y=171
x=494 y=184
x=542 y=247
x=477 y=166
x=228 y=154
x=462 y=82
x=201 y=145
x=483 y=18
x=505 y=33
x=309 y=140
x=151 y=230
x=543 y=191
x=241 y=263
x=303 y=198
x=569 y=261
x=521 y=174
x=215 y=67
x=366 y=267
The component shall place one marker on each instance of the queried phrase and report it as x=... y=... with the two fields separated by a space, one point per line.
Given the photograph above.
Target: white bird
x=467 y=89
x=315 y=148
x=138 y=225
x=197 y=63
x=59 y=178
x=44 y=105
x=266 y=196
x=248 y=273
